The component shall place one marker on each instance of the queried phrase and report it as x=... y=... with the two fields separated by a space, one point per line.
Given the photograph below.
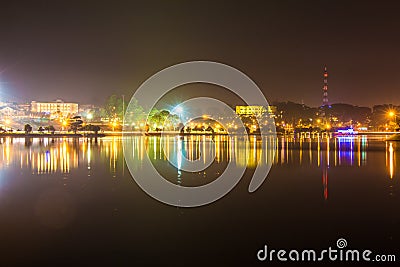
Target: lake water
x=73 y=201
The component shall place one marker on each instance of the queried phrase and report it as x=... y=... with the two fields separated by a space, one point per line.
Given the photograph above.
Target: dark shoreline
x=92 y=135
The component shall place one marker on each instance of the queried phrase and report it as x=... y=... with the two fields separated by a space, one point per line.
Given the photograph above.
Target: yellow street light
x=391 y=113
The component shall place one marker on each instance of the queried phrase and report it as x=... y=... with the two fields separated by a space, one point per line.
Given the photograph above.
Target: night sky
x=86 y=51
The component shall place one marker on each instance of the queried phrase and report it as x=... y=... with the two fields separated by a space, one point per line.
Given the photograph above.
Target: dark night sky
x=85 y=52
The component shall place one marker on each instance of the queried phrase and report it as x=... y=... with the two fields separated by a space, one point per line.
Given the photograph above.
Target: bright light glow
x=89 y=116
x=8 y=121
x=178 y=110
x=391 y=113
x=64 y=123
x=328 y=126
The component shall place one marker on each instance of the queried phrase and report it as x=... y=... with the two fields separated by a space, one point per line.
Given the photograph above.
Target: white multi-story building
x=57 y=107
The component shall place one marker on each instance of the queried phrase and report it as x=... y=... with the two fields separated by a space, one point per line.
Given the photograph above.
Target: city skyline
x=167 y=105
x=83 y=51
x=199 y=133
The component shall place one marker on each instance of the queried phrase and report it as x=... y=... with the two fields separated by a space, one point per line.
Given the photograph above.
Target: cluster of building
x=289 y=116
x=38 y=109
x=14 y=115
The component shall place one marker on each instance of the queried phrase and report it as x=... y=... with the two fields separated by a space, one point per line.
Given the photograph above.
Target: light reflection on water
x=46 y=156
x=50 y=156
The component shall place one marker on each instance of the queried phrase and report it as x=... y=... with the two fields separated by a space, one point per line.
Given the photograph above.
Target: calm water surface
x=69 y=201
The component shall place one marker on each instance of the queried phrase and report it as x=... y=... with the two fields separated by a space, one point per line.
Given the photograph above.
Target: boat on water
x=395 y=137
x=346 y=131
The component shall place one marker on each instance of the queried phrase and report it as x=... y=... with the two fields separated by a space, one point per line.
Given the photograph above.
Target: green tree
x=153 y=112
x=50 y=129
x=163 y=118
x=27 y=128
x=114 y=107
x=160 y=118
x=100 y=113
x=75 y=124
x=135 y=113
x=153 y=117
x=174 y=120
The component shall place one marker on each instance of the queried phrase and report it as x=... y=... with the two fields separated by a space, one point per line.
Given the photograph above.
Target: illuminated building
x=12 y=109
x=8 y=111
x=58 y=106
x=255 y=110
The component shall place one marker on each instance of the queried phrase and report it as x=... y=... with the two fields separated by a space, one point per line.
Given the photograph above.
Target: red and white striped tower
x=325 y=101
